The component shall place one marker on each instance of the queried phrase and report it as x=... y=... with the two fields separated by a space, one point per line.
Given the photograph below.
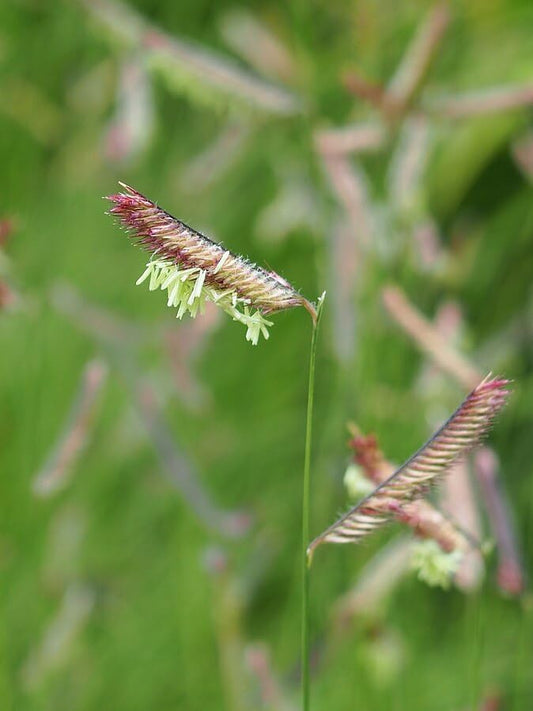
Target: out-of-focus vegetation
x=151 y=469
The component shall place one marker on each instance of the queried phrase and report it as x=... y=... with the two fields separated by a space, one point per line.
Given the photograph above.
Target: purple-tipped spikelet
x=458 y=435
x=193 y=269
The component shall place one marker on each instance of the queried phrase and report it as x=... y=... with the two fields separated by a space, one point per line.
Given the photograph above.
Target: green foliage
x=168 y=623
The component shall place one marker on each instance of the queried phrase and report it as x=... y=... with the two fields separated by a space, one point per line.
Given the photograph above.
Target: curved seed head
x=192 y=268
x=463 y=431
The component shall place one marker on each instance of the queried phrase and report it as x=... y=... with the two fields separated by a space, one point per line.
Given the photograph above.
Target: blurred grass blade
x=375 y=583
x=32 y=110
x=216 y=159
x=272 y=695
x=229 y=603
x=511 y=575
x=349 y=183
x=414 y=67
x=346 y=265
x=427 y=337
x=54 y=654
x=76 y=431
x=132 y=126
x=459 y=434
x=209 y=77
x=119 y=341
x=255 y=42
x=483 y=101
x=202 y=74
x=408 y=165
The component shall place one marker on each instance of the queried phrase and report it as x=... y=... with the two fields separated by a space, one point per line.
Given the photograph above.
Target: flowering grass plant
x=193 y=269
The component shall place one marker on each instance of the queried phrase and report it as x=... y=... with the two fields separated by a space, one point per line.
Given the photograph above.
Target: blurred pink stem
x=354 y=138
x=349 y=186
x=414 y=67
x=511 y=578
x=113 y=336
x=75 y=434
x=494 y=100
x=258 y=661
x=428 y=338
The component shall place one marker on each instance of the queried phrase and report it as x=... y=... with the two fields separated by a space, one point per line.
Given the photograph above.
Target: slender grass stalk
x=305 y=510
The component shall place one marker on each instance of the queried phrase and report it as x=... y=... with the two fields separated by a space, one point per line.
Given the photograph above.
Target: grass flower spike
x=192 y=269
x=391 y=499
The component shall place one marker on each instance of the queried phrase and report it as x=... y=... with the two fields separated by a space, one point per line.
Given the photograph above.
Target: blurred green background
x=157 y=566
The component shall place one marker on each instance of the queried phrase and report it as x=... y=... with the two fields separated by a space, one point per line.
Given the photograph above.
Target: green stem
x=305 y=512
